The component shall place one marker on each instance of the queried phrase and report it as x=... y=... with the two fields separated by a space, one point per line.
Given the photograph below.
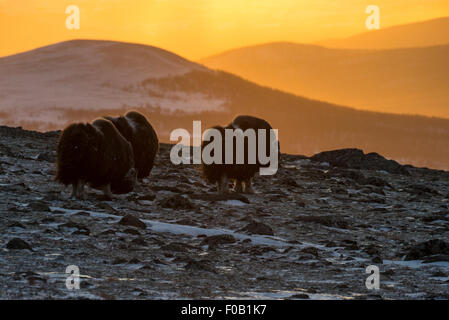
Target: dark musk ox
x=95 y=154
x=242 y=174
x=139 y=132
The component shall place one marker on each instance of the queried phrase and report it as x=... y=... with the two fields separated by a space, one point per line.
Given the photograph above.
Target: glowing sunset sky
x=198 y=28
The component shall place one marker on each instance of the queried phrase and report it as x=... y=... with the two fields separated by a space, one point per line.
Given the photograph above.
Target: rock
x=81 y=228
x=175 y=246
x=220 y=197
x=130 y=220
x=259 y=250
x=300 y=296
x=18 y=244
x=134 y=261
x=331 y=244
x=39 y=206
x=376 y=181
x=372 y=250
x=47 y=156
x=186 y=222
x=310 y=250
x=84 y=232
x=171 y=189
x=201 y=265
x=139 y=241
x=326 y=220
x=289 y=181
x=33 y=279
x=119 y=261
x=356 y=159
x=177 y=202
x=421 y=190
x=258 y=228
x=147 y=197
x=218 y=239
x=16 y=225
x=426 y=249
x=350 y=244
x=132 y=231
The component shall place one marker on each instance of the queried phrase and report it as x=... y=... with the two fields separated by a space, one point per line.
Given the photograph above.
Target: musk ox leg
x=74 y=194
x=223 y=185
x=80 y=190
x=107 y=191
x=238 y=186
x=248 y=187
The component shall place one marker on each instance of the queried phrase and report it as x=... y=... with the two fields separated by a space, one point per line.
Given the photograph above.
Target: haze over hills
x=419 y=34
x=411 y=80
x=48 y=88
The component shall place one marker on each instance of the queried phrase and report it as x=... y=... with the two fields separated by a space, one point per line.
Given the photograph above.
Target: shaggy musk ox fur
x=95 y=154
x=139 y=132
x=242 y=174
x=250 y=122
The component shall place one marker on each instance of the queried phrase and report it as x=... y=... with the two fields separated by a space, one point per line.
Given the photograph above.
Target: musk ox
x=243 y=173
x=95 y=154
x=139 y=132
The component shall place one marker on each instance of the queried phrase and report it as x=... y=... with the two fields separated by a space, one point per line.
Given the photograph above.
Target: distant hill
x=412 y=81
x=83 y=74
x=419 y=34
x=81 y=80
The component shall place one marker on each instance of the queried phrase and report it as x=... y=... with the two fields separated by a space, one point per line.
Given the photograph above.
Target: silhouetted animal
x=139 y=132
x=95 y=154
x=245 y=122
x=219 y=173
x=242 y=174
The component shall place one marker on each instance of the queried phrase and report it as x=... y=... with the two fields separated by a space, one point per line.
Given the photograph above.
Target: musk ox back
x=245 y=122
x=95 y=154
x=139 y=132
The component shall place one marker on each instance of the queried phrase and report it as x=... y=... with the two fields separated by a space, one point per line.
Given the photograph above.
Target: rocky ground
x=308 y=233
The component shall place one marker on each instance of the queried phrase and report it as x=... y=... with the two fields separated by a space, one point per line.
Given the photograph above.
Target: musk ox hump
x=145 y=144
x=117 y=156
x=245 y=122
x=143 y=138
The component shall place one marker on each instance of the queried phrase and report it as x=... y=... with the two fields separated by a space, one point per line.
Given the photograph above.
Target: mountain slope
x=82 y=74
x=414 y=80
x=173 y=92
x=419 y=34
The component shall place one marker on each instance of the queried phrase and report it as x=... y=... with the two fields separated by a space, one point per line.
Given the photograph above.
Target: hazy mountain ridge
x=419 y=34
x=410 y=81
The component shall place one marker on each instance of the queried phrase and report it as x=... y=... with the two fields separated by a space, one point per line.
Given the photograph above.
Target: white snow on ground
x=235 y=203
x=251 y=295
x=417 y=263
x=163 y=227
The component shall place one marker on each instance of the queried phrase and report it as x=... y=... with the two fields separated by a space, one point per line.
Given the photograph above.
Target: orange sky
x=198 y=28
